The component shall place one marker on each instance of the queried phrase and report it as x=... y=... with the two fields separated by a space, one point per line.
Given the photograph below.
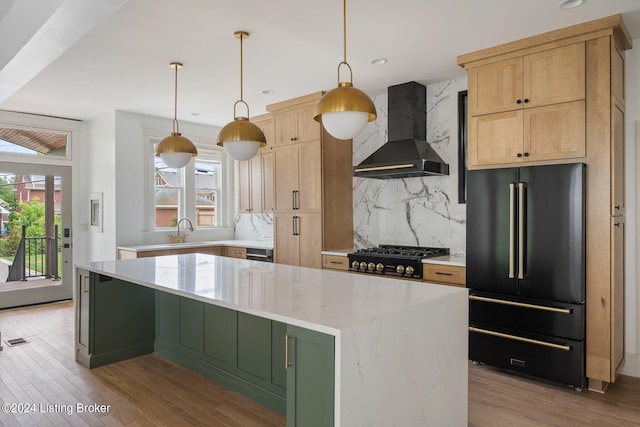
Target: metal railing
x=36 y=257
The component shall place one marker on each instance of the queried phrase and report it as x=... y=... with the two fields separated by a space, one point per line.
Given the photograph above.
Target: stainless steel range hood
x=407 y=153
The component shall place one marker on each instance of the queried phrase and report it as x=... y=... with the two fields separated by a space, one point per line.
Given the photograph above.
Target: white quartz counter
x=162 y=246
x=323 y=300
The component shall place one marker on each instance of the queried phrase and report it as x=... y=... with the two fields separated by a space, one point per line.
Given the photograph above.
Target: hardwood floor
x=151 y=391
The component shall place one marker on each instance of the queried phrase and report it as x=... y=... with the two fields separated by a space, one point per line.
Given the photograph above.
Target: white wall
x=632 y=160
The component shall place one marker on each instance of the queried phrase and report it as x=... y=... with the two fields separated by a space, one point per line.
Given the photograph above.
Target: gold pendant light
x=345 y=110
x=176 y=150
x=240 y=138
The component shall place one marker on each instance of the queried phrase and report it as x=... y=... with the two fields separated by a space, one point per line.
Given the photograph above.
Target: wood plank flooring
x=151 y=391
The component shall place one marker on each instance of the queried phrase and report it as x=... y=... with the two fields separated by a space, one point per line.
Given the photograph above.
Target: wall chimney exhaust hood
x=407 y=153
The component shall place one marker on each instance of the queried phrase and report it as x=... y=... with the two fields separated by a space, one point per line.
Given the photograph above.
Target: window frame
x=208 y=151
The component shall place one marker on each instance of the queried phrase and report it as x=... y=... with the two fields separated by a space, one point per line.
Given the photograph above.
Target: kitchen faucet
x=178 y=238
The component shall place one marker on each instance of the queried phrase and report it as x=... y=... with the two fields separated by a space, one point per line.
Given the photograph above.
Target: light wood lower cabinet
x=335 y=262
x=452 y=275
x=235 y=252
x=208 y=250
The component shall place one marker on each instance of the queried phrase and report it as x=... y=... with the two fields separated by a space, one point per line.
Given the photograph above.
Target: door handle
x=521 y=228
x=512 y=231
x=293 y=199
x=295 y=226
x=296 y=199
x=521 y=304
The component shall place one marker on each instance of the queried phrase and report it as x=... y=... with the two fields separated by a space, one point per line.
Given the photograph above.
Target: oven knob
x=379 y=266
x=371 y=266
x=355 y=265
x=363 y=265
x=409 y=270
x=400 y=269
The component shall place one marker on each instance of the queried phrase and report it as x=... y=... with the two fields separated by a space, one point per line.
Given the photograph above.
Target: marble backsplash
x=257 y=227
x=413 y=211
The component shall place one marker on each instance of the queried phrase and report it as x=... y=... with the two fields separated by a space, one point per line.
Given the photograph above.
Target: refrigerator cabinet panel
x=553 y=250
x=491 y=238
x=537 y=316
x=543 y=356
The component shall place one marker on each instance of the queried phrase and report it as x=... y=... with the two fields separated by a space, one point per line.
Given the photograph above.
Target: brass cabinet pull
x=336 y=262
x=85 y=287
x=521 y=230
x=287 y=337
x=512 y=228
x=522 y=339
x=521 y=304
x=384 y=168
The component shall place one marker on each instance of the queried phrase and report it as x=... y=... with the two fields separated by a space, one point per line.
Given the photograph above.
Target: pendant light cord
x=176 y=129
x=344 y=29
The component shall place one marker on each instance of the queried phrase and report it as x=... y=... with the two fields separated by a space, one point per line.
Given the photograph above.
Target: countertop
x=323 y=300
x=240 y=243
x=455 y=260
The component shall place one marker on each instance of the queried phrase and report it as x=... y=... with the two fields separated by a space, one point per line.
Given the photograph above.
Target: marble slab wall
x=413 y=211
x=257 y=227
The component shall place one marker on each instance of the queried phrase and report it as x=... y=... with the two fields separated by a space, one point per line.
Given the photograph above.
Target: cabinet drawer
x=542 y=317
x=543 y=356
x=440 y=273
x=335 y=262
x=235 y=252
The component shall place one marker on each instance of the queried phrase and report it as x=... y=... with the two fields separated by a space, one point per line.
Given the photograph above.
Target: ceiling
x=81 y=59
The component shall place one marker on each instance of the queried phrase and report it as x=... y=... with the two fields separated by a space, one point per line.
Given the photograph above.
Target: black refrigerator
x=526 y=270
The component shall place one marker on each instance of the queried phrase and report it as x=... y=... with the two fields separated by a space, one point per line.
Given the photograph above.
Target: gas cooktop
x=392 y=260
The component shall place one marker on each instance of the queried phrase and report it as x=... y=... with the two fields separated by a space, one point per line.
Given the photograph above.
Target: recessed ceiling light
x=378 y=61
x=268 y=91
x=569 y=4
x=195 y=114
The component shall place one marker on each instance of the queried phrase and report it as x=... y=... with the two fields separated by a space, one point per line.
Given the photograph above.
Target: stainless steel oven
x=257 y=254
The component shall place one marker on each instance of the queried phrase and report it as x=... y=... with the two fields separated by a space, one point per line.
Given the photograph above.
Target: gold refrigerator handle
x=512 y=225
x=521 y=230
x=522 y=339
x=521 y=304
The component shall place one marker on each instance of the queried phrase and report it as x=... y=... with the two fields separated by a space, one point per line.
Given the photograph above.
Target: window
x=30 y=142
x=194 y=191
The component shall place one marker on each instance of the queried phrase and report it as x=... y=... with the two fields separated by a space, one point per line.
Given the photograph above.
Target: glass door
x=35 y=234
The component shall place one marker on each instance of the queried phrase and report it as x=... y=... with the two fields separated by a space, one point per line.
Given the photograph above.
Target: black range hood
x=407 y=153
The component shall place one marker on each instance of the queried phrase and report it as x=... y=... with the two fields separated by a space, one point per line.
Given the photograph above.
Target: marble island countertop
x=322 y=300
x=240 y=243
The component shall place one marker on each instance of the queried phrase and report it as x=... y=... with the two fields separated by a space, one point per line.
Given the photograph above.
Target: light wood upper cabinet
x=250 y=179
x=312 y=184
x=529 y=108
x=268 y=193
x=295 y=126
x=265 y=123
x=298 y=177
x=495 y=87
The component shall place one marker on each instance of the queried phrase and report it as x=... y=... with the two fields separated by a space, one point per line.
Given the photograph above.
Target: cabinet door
x=221 y=334
x=554 y=76
x=310 y=240
x=168 y=316
x=617 y=293
x=191 y=324
x=495 y=87
x=278 y=370
x=309 y=196
x=555 y=132
x=256 y=184
x=265 y=123
x=286 y=242
x=495 y=139
x=268 y=192
x=308 y=129
x=285 y=128
x=617 y=162
x=82 y=308
x=254 y=345
x=310 y=378
x=244 y=185
x=286 y=176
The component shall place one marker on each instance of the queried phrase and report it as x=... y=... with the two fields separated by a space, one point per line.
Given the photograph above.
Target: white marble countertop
x=323 y=300
x=240 y=243
x=456 y=260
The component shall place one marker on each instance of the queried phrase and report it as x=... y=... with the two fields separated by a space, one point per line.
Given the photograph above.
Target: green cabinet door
x=221 y=335
x=278 y=371
x=254 y=345
x=310 y=378
x=191 y=324
x=168 y=314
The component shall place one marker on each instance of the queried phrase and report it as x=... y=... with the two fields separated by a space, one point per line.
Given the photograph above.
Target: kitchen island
x=358 y=350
